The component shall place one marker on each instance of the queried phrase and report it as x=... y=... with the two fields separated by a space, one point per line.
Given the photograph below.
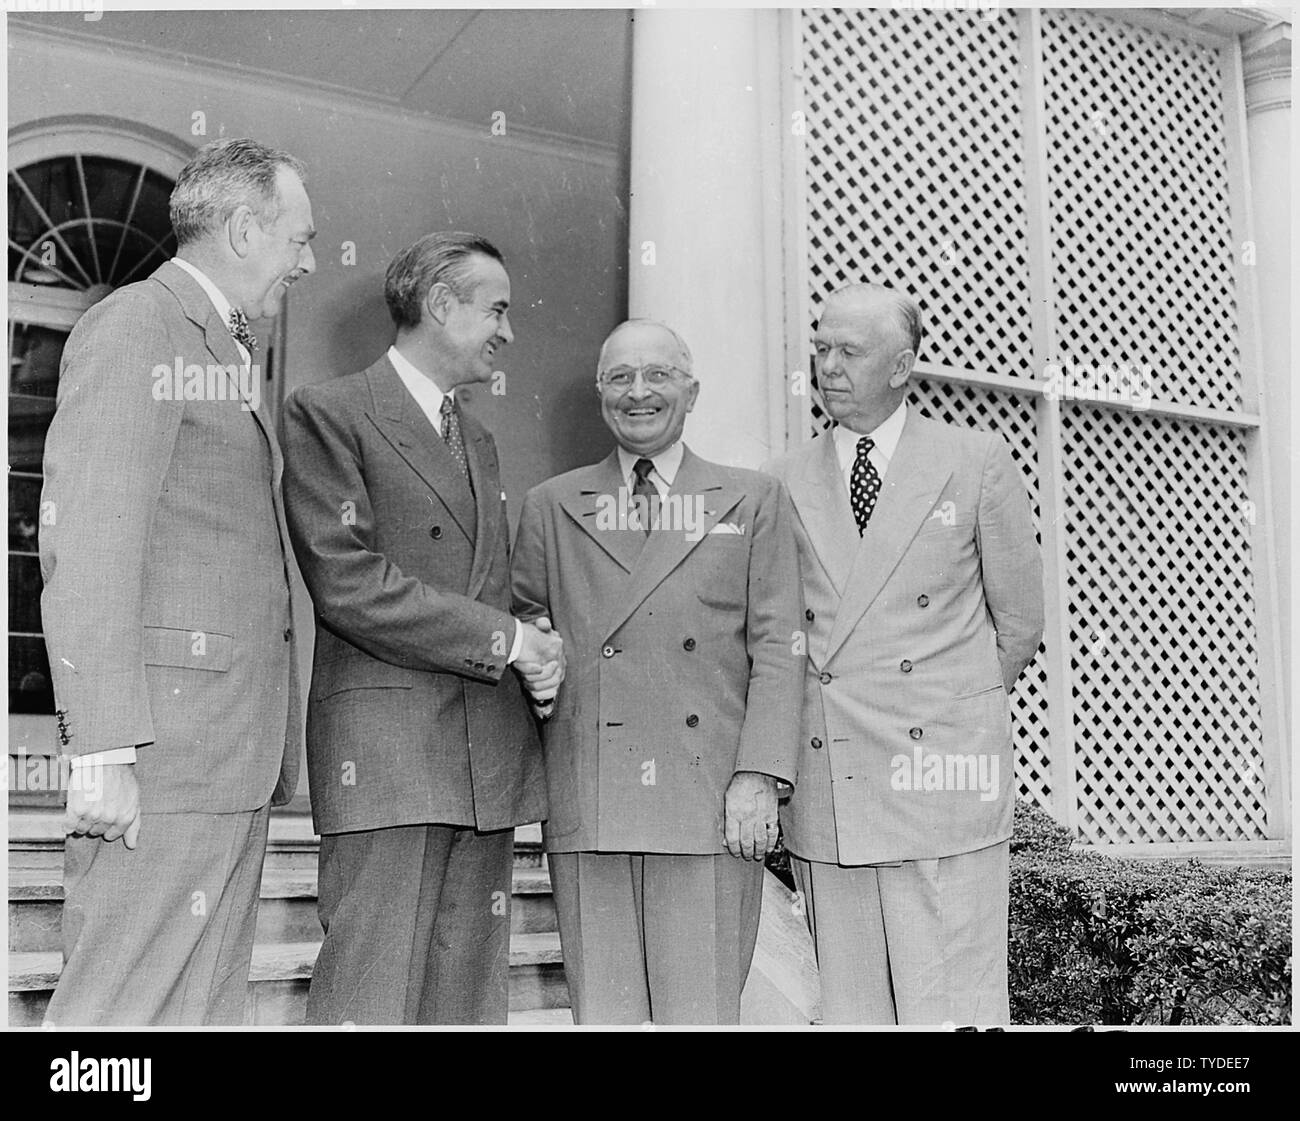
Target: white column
x=705 y=213
x=1267 y=74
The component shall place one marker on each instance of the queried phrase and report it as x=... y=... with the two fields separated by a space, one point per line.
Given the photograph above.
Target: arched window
x=88 y=212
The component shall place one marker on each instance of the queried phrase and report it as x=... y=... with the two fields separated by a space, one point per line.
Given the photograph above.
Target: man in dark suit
x=166 y=606
x=675 y=584
x=421 y=752
x=924 y=598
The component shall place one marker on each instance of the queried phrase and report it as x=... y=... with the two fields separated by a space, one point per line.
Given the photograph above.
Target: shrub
x=1104 y=940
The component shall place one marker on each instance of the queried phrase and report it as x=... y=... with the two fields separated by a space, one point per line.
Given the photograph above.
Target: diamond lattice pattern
x=1142 y=252
x=915 y=172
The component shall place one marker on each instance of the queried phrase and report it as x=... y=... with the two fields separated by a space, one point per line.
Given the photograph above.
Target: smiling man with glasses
x=673 y=734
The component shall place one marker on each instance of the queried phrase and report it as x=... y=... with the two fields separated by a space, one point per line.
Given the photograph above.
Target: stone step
x=279 y=976
x=286 y=913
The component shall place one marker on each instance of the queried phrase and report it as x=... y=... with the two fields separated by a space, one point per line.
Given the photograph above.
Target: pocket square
x=728 y=527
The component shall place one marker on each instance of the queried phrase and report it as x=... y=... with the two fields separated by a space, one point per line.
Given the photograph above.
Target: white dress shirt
x=429 y=397
x=223 y=306
x=666 y=464
x=218 y=298
x=885 y=437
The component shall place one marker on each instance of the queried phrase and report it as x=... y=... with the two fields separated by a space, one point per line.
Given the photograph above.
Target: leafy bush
x=1103 y=940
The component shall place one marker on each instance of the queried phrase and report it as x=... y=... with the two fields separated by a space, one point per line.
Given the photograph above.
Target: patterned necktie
x=238 y=325
x=864 y=484
x=452 y=435
x=646 y=490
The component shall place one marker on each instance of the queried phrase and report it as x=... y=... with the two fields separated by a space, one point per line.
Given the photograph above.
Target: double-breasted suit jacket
x=165 y=555
x=681 y=648
x=917 y=631
x=413 y=716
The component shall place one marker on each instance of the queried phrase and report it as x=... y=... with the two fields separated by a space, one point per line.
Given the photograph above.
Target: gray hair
x=223 y=176
x=906 y=310
x=444 y=257
x=681 y=343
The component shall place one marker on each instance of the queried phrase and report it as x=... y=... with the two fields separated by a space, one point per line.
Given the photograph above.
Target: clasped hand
x=541 y=662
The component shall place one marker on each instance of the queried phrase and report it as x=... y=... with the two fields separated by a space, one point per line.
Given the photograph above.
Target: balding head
x=866 y=343
x=639 y=333
x=875 y=301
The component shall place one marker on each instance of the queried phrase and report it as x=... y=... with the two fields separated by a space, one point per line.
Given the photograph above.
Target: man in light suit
x=421 y=752
x=166 y=606
x=923 y=592
x=674 y=584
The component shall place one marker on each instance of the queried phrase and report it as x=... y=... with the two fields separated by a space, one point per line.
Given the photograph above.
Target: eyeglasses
x=622 y=377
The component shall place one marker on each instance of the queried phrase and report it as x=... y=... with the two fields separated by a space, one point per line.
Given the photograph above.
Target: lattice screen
x=916 y=172
x=917 y=177
x=1138 y=186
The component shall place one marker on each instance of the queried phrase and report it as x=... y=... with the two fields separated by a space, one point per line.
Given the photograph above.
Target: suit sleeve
x=769 y=738
x=1010 y=564
x=357 y=591
x=107 y=453
x=528 y=577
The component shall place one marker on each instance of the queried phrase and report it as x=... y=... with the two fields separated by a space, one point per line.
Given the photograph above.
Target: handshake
x=541 y=663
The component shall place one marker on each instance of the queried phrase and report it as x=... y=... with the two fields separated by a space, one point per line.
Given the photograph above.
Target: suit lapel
x=403 y=425
x=221 y=345
x=665 y=549
x=590 y=510
x=916 y=477
x=822 y=502
x=487 y=498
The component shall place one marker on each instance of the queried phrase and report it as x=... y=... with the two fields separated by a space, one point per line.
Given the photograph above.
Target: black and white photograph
x=651 y=517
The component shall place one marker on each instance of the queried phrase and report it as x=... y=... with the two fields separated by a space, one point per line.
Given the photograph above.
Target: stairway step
x=279 y=976
x=286 y=913
x=542 y=1017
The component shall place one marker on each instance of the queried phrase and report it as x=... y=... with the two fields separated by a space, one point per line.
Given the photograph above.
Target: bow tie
x=238 y=325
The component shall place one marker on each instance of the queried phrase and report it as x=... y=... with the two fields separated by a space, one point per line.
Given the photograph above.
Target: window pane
x=24 y=506
x=34 y=363
x=30 y=690
x=25 y=594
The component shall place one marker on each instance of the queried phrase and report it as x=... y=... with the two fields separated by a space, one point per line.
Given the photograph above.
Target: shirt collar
x=885 y=437
x=218 y=298
x=422 y=387
x=667 y=462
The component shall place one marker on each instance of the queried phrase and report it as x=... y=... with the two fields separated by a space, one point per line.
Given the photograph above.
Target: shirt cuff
x=519 y=641
x=103 y=758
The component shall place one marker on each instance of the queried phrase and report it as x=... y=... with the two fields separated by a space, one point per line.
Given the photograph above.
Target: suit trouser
x=162 y=934
x=919 y=942
x=659 y=937
x=417 y=927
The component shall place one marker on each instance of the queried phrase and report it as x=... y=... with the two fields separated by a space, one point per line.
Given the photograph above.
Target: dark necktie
x=452 y=435
x=646 y=493
x=239 y=329
x=864 y=484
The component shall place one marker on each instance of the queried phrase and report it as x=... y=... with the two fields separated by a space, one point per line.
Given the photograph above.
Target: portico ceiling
x=559 y=72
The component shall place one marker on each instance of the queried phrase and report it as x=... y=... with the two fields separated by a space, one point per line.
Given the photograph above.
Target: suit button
x=288 y=633
x=692 y=720
x=607 y=652
x=905 y=666
x=808 y=614
x=436 y=532
x=923 y=600
x=825 y=679
x=816 y=743
x=915 y=733
x=689 y=644
x=478 y=665
x=490 y=668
